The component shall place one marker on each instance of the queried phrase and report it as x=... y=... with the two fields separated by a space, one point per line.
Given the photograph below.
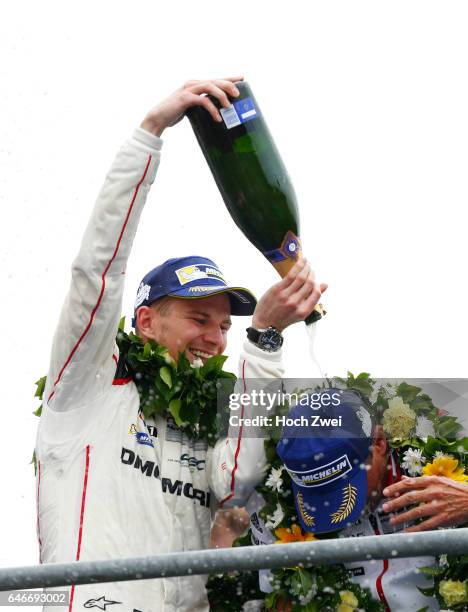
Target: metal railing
x=452 y=541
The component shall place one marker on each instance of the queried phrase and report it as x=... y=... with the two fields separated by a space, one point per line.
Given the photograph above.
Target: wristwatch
x=269 y=339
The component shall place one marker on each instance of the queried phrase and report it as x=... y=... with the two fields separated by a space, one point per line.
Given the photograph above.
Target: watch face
x=271 y=339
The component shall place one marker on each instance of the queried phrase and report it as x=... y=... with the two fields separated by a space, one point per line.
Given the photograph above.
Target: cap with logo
x=190 y=278
x=327 y=462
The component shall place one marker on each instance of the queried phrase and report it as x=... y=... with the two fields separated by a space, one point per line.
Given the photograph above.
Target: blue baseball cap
x=326 y=462
x=191 y=277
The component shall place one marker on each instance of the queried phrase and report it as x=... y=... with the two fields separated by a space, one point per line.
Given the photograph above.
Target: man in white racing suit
x=109 y=484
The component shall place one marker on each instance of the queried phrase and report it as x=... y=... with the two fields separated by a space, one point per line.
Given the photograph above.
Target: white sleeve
x=83 y=346
x=237 y=464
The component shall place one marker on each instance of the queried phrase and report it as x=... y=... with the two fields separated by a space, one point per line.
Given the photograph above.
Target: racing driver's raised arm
x=83 y=345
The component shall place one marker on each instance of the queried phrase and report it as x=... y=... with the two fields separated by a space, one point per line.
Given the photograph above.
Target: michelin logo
x=191 y=273
x=323 y=474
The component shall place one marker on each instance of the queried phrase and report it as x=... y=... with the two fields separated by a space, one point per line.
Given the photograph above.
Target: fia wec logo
x=192 y=463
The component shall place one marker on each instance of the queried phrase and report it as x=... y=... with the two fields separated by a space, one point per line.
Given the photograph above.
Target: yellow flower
x=398 y=419
x=286 y=535
x=445 y=466
x=454 y=591
x=349 y=602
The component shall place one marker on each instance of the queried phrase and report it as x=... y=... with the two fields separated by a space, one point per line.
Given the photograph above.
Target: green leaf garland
x=170 y=388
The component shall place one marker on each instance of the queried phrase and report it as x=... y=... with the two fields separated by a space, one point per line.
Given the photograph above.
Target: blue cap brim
x=242 y=301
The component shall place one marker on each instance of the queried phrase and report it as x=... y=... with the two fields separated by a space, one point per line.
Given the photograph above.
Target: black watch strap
x=269 y=339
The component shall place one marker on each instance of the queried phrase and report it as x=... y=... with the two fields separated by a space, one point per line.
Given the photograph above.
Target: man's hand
x=442 y=500
x=289 y=301
x=171 y=110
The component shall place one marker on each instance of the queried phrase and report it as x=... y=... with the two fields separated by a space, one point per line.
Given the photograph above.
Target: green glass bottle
x=252 y=178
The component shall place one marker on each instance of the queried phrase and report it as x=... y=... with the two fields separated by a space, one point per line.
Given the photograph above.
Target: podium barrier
x=451 y=541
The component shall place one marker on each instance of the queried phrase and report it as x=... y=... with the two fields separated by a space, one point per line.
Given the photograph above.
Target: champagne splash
x=319 y=366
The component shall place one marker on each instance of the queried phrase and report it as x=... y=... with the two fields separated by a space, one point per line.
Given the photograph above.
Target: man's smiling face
x=196 y=327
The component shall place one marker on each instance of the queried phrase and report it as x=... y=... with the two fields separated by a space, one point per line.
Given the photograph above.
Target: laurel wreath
x=169 y=388
x=306 y=517
x=347 y=504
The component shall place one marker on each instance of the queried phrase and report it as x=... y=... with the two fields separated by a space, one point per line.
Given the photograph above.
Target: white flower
x=196 y=363
x=424 y=427
x=412 y=461
x=275 y=519
x=274 y=480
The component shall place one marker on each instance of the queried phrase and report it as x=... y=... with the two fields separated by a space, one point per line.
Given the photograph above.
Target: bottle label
x=289 y=249
x=240 y=112
x=230 y=117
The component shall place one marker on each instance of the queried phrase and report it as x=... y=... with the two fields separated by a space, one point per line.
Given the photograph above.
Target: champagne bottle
x=252 y=179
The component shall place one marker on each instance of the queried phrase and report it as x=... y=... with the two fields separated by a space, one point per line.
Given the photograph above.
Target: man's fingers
x=421 y=510
x=310 y=303
x=300 y=290
x=213 y=90
x=218 y=88
x=426 y=525
x=228 y=87
x=293 y=272
x=421 y=482
x=194 y=100
x=303 y=286
x=407 y=499
x=304 y=280
x=293 y=298
x=230 y=80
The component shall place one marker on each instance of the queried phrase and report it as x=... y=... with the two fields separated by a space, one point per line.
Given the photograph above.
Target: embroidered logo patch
x=194 y=272
x=141 y=436
x=323 y=474
x=142 y=294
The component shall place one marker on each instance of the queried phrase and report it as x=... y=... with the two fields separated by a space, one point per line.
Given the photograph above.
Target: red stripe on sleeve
x=103 y=278
x=80 y=529
x=38 y=525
